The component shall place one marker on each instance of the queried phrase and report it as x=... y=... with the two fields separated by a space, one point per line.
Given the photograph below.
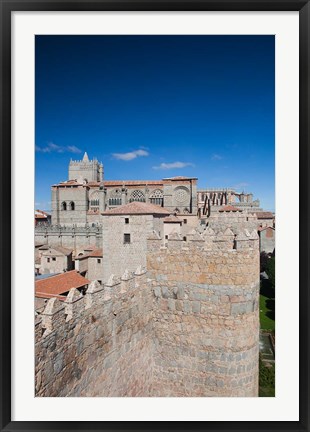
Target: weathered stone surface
x=188 y=328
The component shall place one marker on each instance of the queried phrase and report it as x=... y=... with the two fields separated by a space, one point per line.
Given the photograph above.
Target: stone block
x=195 y=306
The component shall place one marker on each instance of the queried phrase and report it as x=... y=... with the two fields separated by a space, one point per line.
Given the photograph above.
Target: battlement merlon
x=57 y=312
x=209 y=240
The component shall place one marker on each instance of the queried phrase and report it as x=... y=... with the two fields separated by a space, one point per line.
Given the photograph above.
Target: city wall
x=99 y=344
x=189 y=327
x=206 y=322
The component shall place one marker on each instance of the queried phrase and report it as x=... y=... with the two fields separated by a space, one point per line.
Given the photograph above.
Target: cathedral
x=86 y=194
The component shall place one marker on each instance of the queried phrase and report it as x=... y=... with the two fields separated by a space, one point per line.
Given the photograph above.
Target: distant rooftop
x=59 y=284
x=96 y=253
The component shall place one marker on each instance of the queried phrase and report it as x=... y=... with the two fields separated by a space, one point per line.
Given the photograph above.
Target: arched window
x=72 y=206
x=157 y=197
x=94 y=201
x=115 y=198
x=137 y=195
x=63 y=205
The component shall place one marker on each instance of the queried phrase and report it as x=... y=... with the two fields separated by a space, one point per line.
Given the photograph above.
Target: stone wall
x=77 y=195
x=267 y=240
x=190 y=329
x=55 y=263
x=99 y=344
x=206 y=321
x=119 y=256
x=74 y=238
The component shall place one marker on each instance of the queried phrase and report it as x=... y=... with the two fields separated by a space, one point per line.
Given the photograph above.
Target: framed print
x=180 y=298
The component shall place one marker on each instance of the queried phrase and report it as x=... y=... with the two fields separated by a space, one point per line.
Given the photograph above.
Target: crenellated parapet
x=76 y=305
x=68 y=229
x=208 y=240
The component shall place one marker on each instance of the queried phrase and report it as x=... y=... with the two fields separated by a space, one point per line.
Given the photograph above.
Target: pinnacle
x=85 y=157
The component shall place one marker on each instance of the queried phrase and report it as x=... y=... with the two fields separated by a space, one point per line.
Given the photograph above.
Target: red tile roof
x=59 y=249
x=94 y=183
x=180 y=178
x=132 y=182
x=264 y=215
x=41 y=213
x=96 y=253
x=59 y=284
x=230 y=208
x=172 y=219
x=137 y=208
x=266 y=227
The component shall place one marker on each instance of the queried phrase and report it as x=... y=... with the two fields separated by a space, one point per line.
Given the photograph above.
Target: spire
x=85 y=158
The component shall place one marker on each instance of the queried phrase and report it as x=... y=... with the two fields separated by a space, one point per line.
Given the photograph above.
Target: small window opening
x=126 y=238
x=184 y=238
x=126 y=220
x=98 y=260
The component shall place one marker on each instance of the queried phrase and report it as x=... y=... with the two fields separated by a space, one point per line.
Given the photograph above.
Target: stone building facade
x=90 y=265
x=267 y=239
x=56 y=260
x=124 y=236
x=81 y=198
x=210 y=200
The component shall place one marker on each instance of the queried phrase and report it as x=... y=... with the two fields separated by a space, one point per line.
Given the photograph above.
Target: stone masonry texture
x=188 y=326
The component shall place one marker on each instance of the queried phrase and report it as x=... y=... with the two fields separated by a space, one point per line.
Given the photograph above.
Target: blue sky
x=151 y=107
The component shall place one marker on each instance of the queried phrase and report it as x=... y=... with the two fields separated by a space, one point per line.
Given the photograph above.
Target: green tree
x=270 y=270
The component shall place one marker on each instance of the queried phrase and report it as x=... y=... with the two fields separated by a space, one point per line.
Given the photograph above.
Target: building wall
x=85 y=170
x=267 y=240
x=53 y=262
x=91 y=267
x=117 y=256
x=79 y=196
x=171 y=228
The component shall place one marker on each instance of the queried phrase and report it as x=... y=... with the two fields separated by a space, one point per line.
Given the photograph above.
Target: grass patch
x=266 y=306
x=266 y=380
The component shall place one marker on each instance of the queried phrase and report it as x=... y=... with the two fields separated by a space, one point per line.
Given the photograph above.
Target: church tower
x=86 y=170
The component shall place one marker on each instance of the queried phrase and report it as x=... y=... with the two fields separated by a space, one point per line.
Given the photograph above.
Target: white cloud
x=172 y=165
x=52 y=147
x=74 y=149
x=216 y=157
x=130 y=155
x=240 y=185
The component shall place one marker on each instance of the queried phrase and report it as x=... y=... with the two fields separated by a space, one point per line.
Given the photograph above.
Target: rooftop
x=59 y=284
x=132 y=182
x=172 y=219
x=264 y=215
x=137 y=208
x=96 y=253
x=59 y=249
x=180 y=178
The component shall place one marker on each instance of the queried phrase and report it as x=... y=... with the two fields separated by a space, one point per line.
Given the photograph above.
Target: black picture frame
x=7 y=7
